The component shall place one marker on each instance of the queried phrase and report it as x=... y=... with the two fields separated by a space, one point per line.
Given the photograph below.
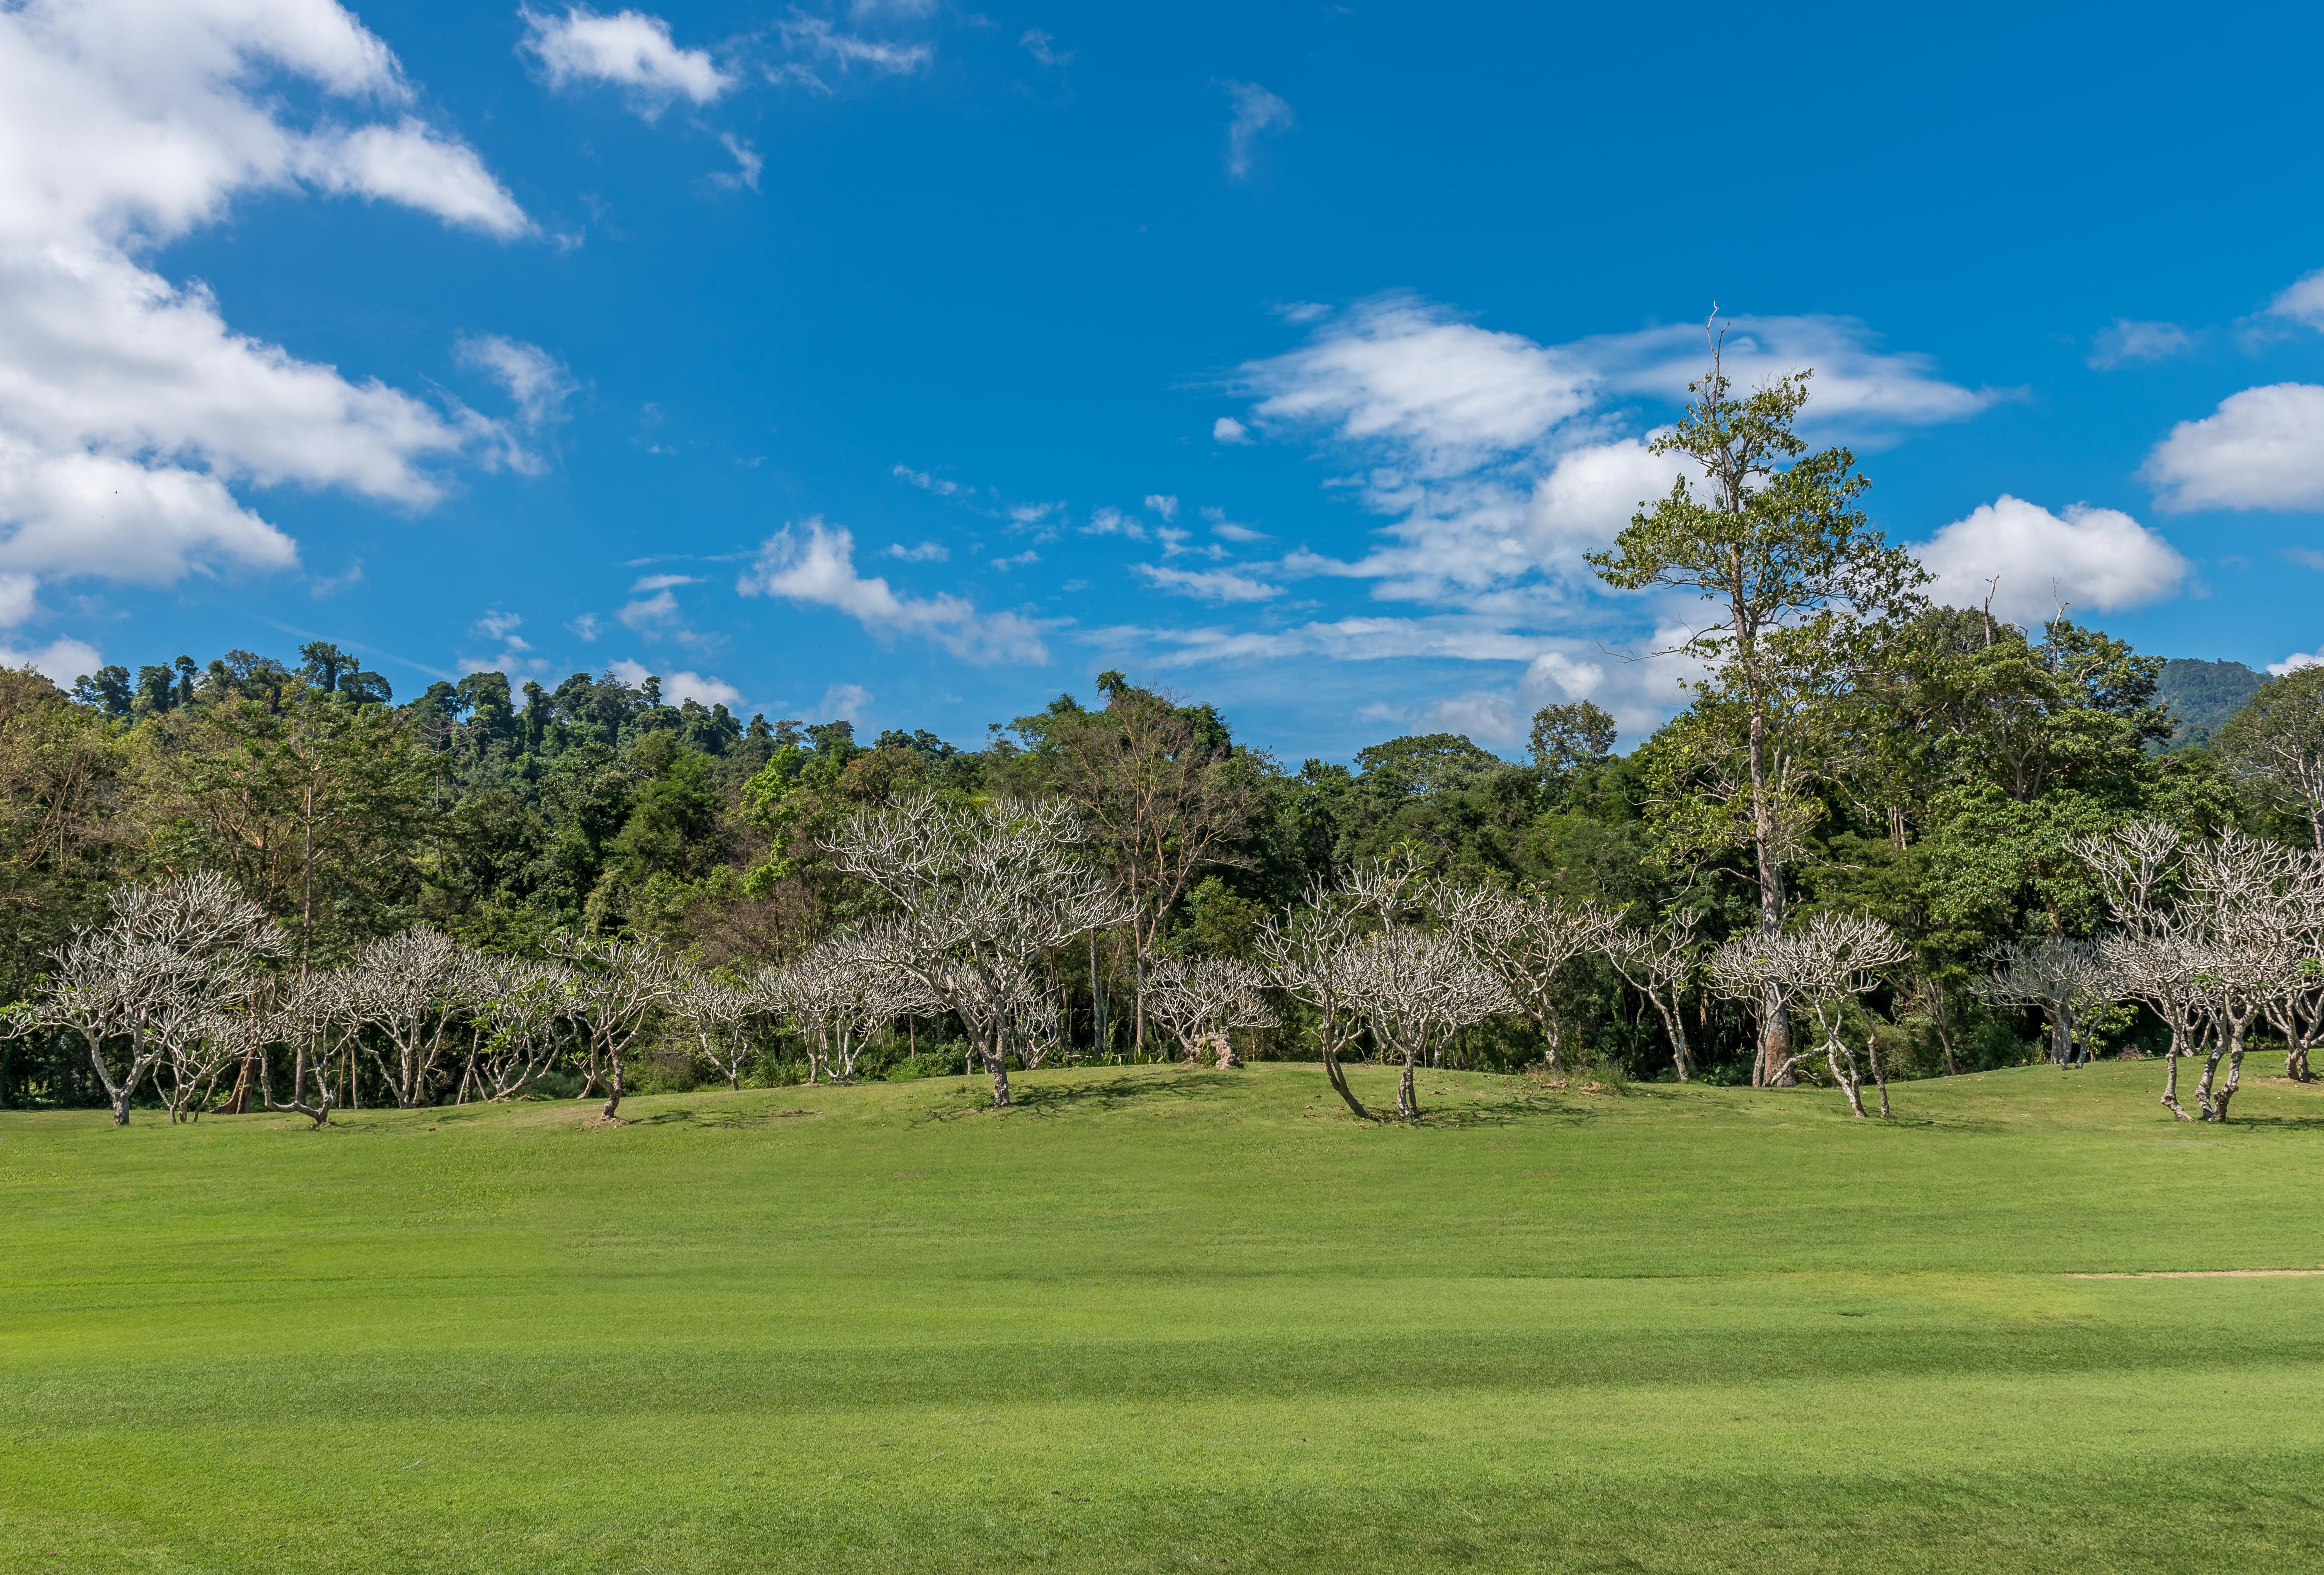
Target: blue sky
x=914 y=364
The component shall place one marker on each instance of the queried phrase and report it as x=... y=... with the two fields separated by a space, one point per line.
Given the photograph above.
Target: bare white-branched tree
x=1662 y=962
x=2064 y=976
x=838 y=995
x=140 y=989
x=2252 y=907
x=204 y=1042
x=981 y=893
x=1828 y=964
x=524 y=1019
x=1417 y=986
x=2153 y=963
x=1203 y=1000
x=1525 y=938
x=317 y=1015
x=614 y=990
x=417 y=989
x=1302 y=951
x=2215 y=936
x=717 y=1018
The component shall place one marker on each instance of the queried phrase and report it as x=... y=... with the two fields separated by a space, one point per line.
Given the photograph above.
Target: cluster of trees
x=1874 y=838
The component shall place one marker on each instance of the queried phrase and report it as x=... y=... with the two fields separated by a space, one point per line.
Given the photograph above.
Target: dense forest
x=1854 y=750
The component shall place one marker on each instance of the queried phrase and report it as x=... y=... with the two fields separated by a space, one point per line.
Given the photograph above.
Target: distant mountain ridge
x=2204 y=694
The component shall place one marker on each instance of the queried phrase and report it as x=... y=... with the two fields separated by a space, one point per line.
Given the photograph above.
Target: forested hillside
x=2202 y=695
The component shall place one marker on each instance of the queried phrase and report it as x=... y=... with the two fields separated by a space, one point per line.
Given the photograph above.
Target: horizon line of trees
x=1853 y=755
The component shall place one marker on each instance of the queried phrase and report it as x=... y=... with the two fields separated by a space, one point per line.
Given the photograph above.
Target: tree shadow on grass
x=1114 y=1093
x=715 y=1120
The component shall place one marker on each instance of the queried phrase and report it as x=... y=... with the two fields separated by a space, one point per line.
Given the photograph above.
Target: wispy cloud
x=1042 y=48
x=813 y=563
x=1255 y=110
x=924 y=552
x=1213 y=585
x=926 y=482
x=2123 y=341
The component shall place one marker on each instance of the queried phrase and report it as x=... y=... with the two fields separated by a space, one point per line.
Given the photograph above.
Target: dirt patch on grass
x=2199 y=1275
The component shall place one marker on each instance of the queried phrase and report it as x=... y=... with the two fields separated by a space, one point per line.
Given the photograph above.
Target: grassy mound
x=1162 y=1320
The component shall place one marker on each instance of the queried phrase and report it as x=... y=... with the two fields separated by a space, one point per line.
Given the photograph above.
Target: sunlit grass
x=1162 y=1320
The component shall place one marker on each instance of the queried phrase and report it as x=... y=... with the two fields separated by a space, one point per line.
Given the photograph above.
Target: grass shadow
x=715 y=1120
x=1114 y=1093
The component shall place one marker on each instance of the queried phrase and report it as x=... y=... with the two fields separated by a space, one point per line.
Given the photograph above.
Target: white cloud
x=926 y=482
x=2092 y=559
x=678 y=688
x=536 y=380
x=747 y=159
x=924 y=552
x=813 y=35
x=497 y=625
x=1443 y=397
x=814 y=563
x=128 y=407
x=1037 y=43
x=2295 y=661
x=1230 y=530
x=844 y=702
x=1469 y=539
x=629 y=49
x=60 y=662
x=2125 y=340
x=1493 y=454
x=648 y=614
x=2303 y=300
x=2262 y=448
x=409 y=163
x=1024 y=559
x=652 y=582
x=1111 y=522
x=587 y=626
x=1255 y=110
x=1227 y=430
x=1858 y=392
x=1163 y=504
x=1213 y=585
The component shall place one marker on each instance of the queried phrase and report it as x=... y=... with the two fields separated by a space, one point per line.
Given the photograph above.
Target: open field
x=1156 y=1320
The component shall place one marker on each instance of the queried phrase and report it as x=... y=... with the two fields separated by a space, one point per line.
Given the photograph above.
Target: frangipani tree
x=979 y=893
x=147 y=988
x=1206 y=998
x=1828 y=964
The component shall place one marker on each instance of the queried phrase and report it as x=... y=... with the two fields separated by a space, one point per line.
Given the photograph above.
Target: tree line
x=1881 y=840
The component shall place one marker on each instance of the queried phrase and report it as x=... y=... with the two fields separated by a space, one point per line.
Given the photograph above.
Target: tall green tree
x=1773 y=536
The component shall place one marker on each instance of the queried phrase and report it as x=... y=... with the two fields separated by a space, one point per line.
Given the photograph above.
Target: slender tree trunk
x=2171 y=1076
x=612 y=1085
x=996 y=1058
x=1407 y=1099
x=1872 y=1054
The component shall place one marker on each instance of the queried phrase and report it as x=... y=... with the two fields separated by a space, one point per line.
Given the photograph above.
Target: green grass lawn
x=1156 y=1320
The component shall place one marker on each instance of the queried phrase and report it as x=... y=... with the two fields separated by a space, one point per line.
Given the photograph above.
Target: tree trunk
x=613 y=1086
x=1407 y=1101
x=1774 y=1070
x=2171 y=1077
x=996 y=1058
